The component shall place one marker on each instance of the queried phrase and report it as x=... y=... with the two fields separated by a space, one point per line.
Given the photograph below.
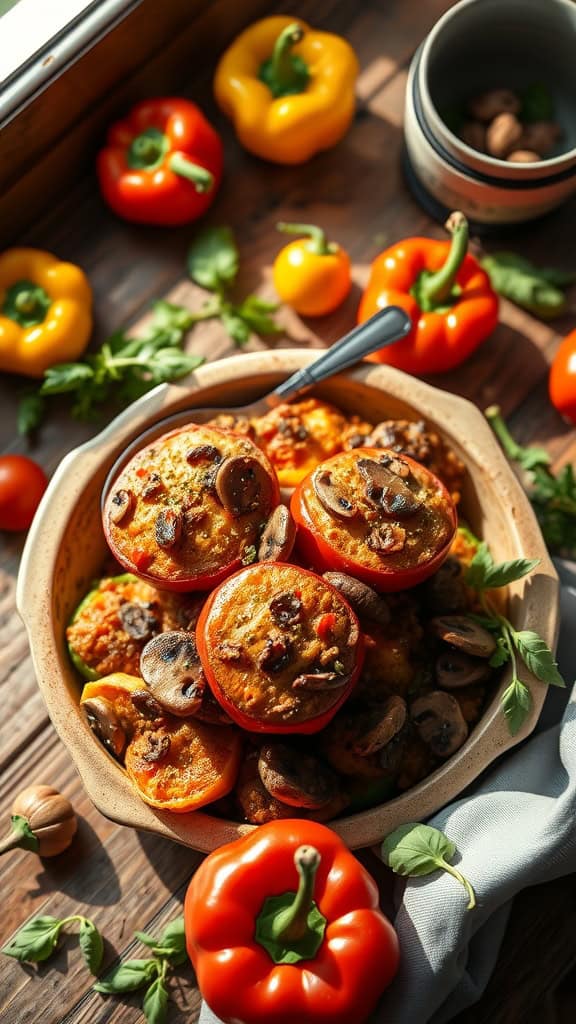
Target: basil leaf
x=146 y=939
x=66 y=377
x=128 y=977
x=236 y=327
x=537 y=103
x=414 y=850
x=480 y=565
x=31 y=410
x=35 y=941
x=516 y=703
x=172 y=363
x=506 y=572
x=91 y=945
x=538 y=657
x=155 y=1003
x=168 y=316
x=26 y=838
x=256 y=314
x=213 y=259
x=528 y=286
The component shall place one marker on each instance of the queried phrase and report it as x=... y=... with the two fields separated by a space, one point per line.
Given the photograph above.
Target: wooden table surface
x=124 y=880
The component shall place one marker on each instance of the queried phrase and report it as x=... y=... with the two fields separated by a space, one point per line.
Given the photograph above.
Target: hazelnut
x=489 y=105
x=539 y=137
x=502 y=135
x=474 y=135
x=523 y=156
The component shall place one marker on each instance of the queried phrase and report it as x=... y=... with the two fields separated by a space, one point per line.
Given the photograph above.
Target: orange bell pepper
x=311 y=274
x=265 y=952
x=562 y=380
x=447 y=295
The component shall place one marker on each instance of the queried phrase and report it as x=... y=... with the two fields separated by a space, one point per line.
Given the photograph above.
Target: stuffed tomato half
x=280 y=647
x=380 y=516
x=190 y=508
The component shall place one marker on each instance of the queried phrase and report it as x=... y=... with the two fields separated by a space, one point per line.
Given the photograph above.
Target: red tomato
x=562 y=381
x=318 y=549
x=22 y=484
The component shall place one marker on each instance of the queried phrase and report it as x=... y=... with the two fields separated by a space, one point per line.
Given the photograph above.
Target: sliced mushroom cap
x=387 y=490
x=331 y=496
x=243 y=485
x=296 y=778
x=286 y=608
x=168 y=528
x=365 y=601
x=170 y=665
x=440 y=723
x=455 y=669
x=391 y=721
x=319 y=682
x=278 y=536
x=256 y=803
x=386 y=538
x=138 y=621
x=121 y=503
x=104 y=722
x=203 y=453
x=276 y=654
x=146 y=704
x=465 y=634
x=445 y=591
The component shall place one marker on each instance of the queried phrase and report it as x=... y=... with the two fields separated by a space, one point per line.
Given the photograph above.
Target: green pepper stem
x=146 y=149
x=26 y=303
x=318 y=241
x=436 y=288
x=202 y=180
x=511 y=448
x=282 y=68
x=292 y=923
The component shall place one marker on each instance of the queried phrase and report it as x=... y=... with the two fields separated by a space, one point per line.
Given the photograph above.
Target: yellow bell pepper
x=45 y=311
x=288 y=89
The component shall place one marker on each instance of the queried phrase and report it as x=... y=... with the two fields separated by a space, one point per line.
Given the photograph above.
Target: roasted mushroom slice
x=286 y=608
x=170 y=665
x=455 y=669
x=440 y=723
x=445 y=591
x=140 y=622
x=296 y=778
x=365 y=741
x=386 y=489
x=168 y=528
x=203 y=453
x=278 y=536
x=256 y=803
x=121 y=504
x=331 y=496
x=465 y=634
x=105 y=723
x=146 y=704
x=365 y=601
x=243 y=484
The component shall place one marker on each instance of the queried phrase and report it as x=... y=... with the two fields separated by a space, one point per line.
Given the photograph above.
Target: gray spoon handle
x=384 y=328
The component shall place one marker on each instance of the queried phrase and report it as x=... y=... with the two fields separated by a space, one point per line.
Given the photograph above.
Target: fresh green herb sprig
x=553 y=496
x=38 y=938
x=168 y=951
x=540 y=290
x=213 y=263
x=483 y=574
x=414 y=850
x=121 y=370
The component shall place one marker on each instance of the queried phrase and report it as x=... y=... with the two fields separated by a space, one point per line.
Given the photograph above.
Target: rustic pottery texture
x=66 y=548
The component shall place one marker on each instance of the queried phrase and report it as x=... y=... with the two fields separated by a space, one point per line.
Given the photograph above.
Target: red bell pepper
x=162 y=164
x=562 y=380
x=265 y=953
x=447 y=295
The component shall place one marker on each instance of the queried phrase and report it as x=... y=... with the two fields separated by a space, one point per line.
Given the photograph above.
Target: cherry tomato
x=562 y=381
x=22 y=484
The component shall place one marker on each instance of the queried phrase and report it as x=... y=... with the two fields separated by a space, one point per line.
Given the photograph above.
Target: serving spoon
x=384 y=328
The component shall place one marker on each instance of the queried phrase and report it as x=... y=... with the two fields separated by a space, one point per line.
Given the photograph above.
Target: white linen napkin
x=513 y=829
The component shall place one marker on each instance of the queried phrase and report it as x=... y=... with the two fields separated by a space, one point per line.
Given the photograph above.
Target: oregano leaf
x=516 y=702
x=538 y=657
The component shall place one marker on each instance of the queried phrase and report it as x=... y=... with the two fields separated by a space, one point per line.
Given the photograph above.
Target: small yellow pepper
x=312 y=274
x=45 y=311
x=288 y=89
